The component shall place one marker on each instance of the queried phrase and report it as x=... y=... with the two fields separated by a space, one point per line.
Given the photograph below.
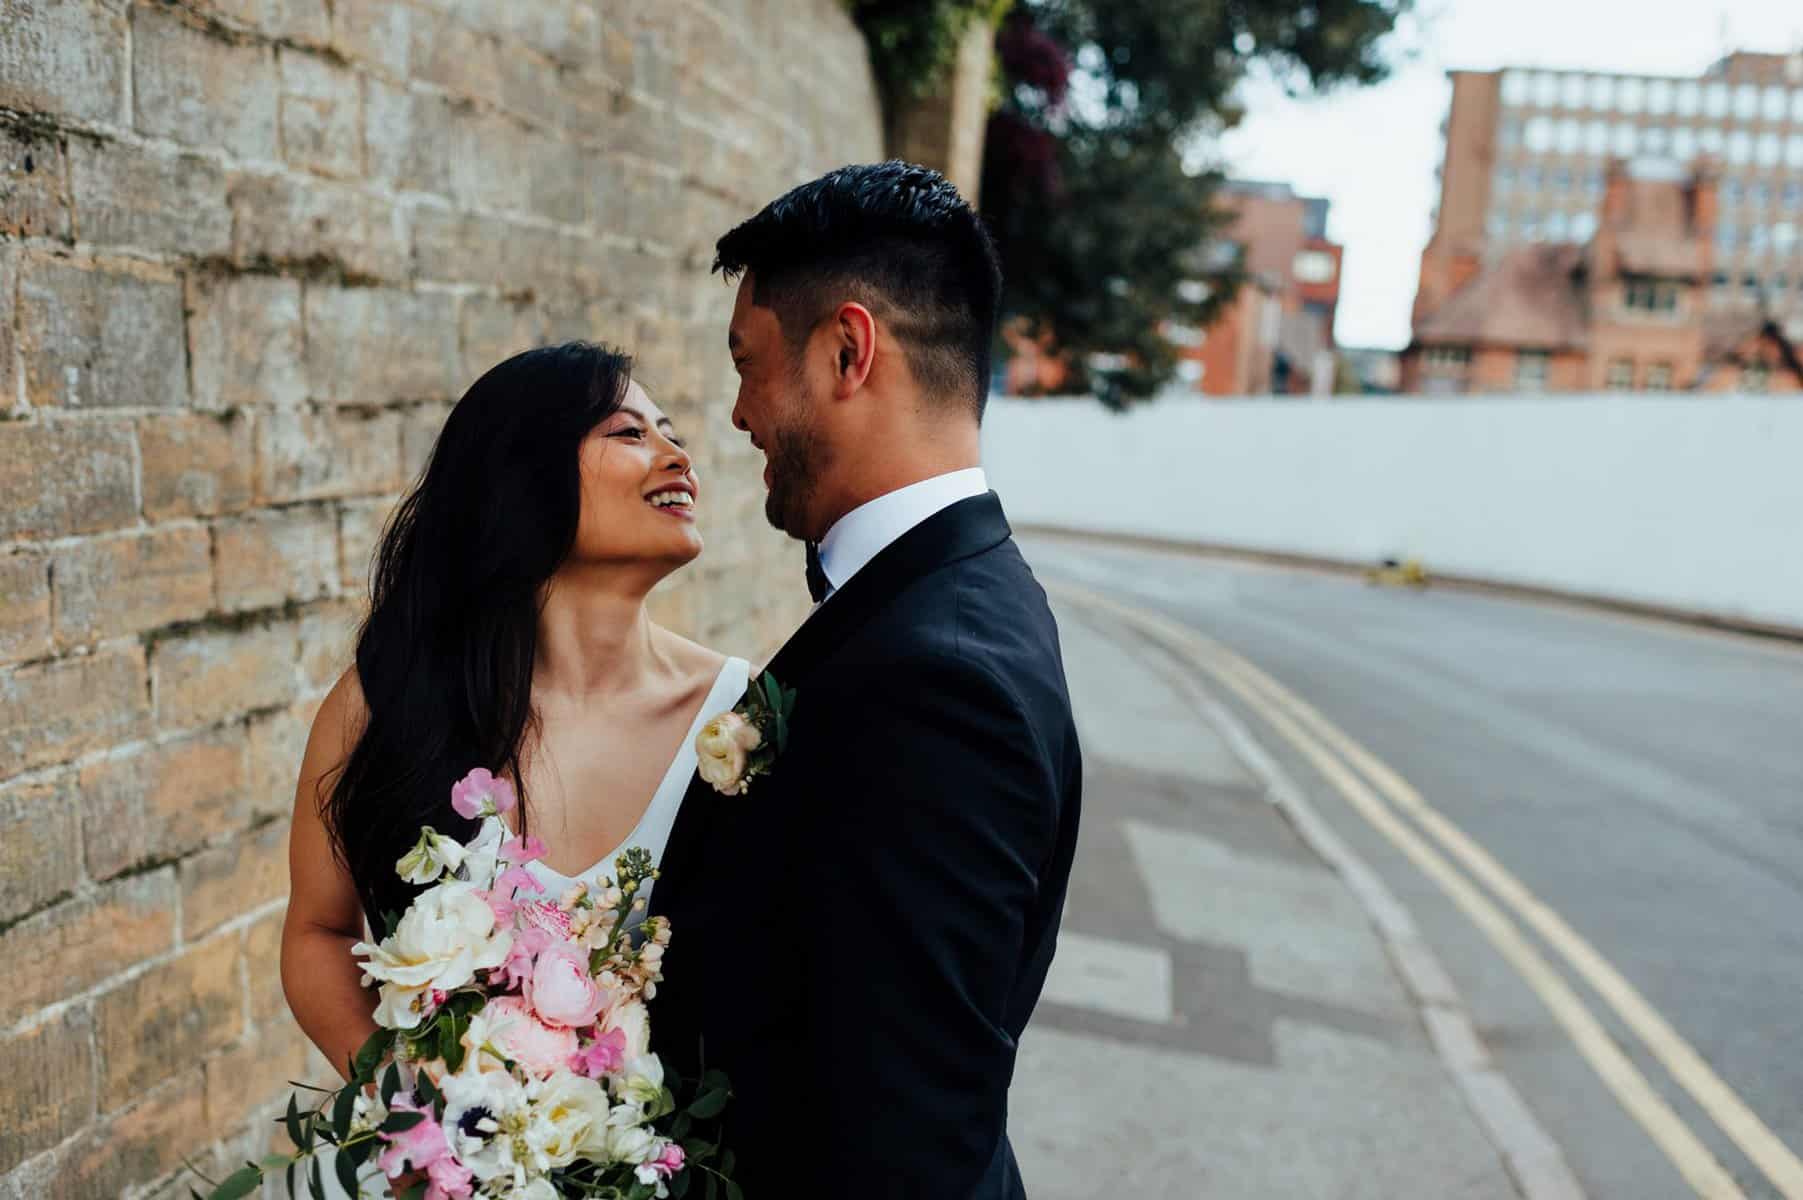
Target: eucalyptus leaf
x=292 y=1121
x=400 y=1122
x=733 y=1192
x=679 y=1184
x=342 y=1110
x=347 y=1174
x=316 y=1185
x=391 y=1083
x=708 y=1105
x=238 y=1184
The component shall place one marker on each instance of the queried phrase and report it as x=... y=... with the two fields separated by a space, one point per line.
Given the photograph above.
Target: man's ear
x=854 y=347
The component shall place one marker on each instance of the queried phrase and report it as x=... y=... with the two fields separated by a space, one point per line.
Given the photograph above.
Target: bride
x=507 y=629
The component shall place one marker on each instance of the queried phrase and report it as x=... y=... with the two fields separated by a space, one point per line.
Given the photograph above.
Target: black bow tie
x=817 y=584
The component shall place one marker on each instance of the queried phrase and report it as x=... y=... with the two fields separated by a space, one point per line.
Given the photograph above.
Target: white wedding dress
x=652 y=833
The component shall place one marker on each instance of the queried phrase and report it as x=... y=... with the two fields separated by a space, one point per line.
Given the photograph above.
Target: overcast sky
x=1372 y=151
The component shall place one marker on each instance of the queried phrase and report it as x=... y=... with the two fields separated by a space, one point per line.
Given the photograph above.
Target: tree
x=1104 y=234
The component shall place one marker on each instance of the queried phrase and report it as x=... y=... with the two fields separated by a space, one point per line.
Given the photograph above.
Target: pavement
x=1222 y=1019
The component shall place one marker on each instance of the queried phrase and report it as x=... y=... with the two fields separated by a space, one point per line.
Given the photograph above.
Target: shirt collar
x=866 y=531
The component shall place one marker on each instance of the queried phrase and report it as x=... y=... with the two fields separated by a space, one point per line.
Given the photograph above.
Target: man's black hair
x=895 y=237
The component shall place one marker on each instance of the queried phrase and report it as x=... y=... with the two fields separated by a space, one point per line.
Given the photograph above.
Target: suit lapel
x=956 y=532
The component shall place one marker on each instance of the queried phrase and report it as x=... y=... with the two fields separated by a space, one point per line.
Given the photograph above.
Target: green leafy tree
x=1104 y=233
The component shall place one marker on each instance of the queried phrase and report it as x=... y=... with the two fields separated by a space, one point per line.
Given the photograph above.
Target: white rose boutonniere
x=742 y=744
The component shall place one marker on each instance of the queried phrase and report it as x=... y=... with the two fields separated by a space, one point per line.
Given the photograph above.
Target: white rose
x=631 y=1019
x=446 y=935
x=642 y=1081
x=631 y=1143
x=569 y=1119
x=720 y=750
x=431 y=857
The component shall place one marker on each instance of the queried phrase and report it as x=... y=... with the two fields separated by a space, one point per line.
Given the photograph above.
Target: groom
x=860 y=938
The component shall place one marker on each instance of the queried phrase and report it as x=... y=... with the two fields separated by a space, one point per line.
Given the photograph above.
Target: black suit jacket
x=859 y=940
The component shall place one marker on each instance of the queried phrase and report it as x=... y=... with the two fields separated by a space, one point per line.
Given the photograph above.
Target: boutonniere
x=742 y=744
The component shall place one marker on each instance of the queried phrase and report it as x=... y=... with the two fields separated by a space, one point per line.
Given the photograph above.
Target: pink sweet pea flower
x=603 y=1056
x=448 y=1179
x=480 y=794
x=514 y=879
x=416 y=1148
x=661 y=1167
x=514 y=972
x=520 y=852
x=500 y=902
x=561 y=991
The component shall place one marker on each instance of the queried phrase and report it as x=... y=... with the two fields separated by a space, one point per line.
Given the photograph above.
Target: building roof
x=1528 y=299
x=1733 y=338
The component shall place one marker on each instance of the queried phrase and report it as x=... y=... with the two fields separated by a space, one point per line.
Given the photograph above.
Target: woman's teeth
x=672 y=500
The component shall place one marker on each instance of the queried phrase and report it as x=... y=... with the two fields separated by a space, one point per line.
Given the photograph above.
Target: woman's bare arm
x=319 y=975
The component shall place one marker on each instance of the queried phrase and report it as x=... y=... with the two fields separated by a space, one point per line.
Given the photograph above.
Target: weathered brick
x=33 y=200
x=321 y=116
x=93 y=337
x=49 y=1092
x=455 y=57
x=39 y=838
x=61 y=479
x=206 y=676
x=267 y=558
x=144 y=1141
x=408 y=137
x=244 y=338
x=125 y=584
x=252 y=1073
x=53 y=711
x=493 y=331
x=9 y=304
x=69 y=947
x=263 y=968
x=419 y=435
x=360 y=524
x=148 y=199
x=327 y=635
x=378 y=32
x=307 y=455
x=152 y=1026
x=195 y=464
x=491 y=162
x=303 y=21
x=197 y=88
x=62 y=58
x=560 y=183
x=284 y=220
x=163 y=800
x=566 y=30
x=222 y=882
x=25 y=606
x=277 y=742
x=372 y=346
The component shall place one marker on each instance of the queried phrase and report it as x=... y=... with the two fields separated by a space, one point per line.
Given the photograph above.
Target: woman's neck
x=594 y=639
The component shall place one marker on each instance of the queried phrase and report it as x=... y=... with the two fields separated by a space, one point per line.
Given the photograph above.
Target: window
x=1653 y=139
x=1749 y=283
x=1559 y=179
x=1530 y=179
x=1596 y=137
x=1659 y=95
x=1796 y=105
x=1313 y=266
x=1756 y=239
x=1715 y=100
x=1505 y=178
x=1770 y=150
x=1746 y=101
x=1709 y=139
x=1684 y=143
x=1447 y=360
x=1497 y=226
x=1531 y=370
x=1659 y=377
x=1595 y=184
x=1793 y=197
x=1726 y=238
x=1650 y=295
x=1776 y=101
x=1621 y=375
x=1687 y=98
x=1630 y=95
x=1583 y=227
x=1571 y=136
x=1539 y=135
x=1530 y=227
x=1602 y=92
x=1793 y=149
x=1626 y=138
x=1733 y=192
x=1511 y=134
x=1515 y=88
x=1758 y=194
x=1740 y=147
x=1546 y=90
x=1555 y=227
x=1571 y=91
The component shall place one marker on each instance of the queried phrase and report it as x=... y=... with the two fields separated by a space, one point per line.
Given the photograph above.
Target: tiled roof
x=1529 y=298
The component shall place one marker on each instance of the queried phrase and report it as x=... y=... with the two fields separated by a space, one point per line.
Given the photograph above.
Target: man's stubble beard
x=797 y=456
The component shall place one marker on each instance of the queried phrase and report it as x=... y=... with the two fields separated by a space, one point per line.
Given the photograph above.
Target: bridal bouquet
x=513 y=1055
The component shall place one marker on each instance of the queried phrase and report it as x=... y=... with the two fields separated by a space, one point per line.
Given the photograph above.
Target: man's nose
x=738 y=421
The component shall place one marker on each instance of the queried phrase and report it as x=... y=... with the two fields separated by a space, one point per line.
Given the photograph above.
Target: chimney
x=1705 y=211
x=1609 y=222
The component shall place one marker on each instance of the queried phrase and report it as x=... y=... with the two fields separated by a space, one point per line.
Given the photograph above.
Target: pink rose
x=480 y=794
x=605 y=1055
x=561 y=990
x=521 y=1036
x=416 y=1148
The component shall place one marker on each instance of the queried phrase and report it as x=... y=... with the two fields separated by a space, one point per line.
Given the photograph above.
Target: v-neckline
x=711 y=705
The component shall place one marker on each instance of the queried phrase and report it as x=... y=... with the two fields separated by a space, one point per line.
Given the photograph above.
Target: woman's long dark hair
x=446 y=653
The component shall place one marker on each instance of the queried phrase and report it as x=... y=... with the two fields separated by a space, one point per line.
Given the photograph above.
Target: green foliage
x=1104 y=233
x=914 y=42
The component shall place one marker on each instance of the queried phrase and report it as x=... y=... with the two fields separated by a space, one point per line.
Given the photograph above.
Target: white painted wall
x=1689 y=502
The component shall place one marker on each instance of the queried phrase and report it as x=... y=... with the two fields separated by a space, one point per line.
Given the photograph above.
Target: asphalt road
x=1643 y=779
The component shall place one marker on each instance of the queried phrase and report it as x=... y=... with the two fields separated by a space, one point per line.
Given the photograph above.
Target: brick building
x=1277 y=333
x=249 y=254
x=1600 y=230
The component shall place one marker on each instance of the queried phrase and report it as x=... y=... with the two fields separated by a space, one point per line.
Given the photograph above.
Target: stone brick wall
x=250 y=251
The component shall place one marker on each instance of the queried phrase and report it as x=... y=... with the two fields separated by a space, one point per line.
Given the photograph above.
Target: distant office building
x=1599 y=230
x=1276 y=336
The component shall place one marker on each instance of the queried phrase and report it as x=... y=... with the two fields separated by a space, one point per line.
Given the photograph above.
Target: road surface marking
x=1636 y=1094
x=1109 y=976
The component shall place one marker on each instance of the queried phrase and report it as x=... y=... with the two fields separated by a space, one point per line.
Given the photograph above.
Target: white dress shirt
x=867 y=530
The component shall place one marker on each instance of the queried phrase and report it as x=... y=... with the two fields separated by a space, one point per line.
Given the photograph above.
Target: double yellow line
x=1440 y=849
